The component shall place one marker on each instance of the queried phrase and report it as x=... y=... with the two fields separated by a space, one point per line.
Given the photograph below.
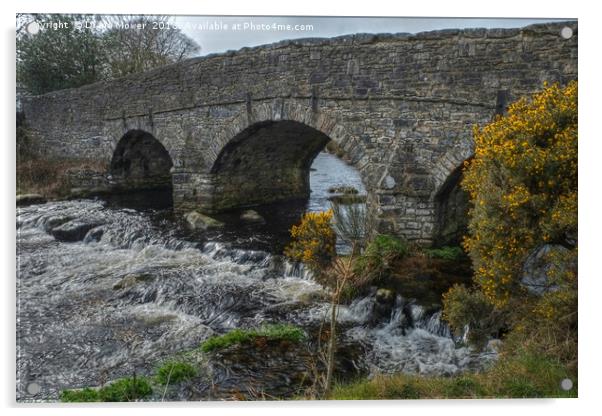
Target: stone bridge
x=242 y=128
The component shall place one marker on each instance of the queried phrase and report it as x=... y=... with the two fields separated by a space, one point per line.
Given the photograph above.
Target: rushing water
x=137 y=289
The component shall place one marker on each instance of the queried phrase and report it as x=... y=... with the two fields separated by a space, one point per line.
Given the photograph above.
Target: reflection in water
x=330 y=171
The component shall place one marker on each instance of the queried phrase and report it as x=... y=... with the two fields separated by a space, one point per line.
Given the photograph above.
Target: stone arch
x=140 y=162
x=449 y=163
x=264 y=156
x=451 y=202
x=286 y=110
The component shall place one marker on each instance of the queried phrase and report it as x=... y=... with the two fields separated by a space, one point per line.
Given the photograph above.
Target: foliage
x=77 y=54
x=519 y=376
x=123 y=390
x=523 y=187
x=131 y=51
x=50 y=177
x=377 y=260
x=352 y=223
x=23 y=139
x=80 y=396
x=126 y=390
x=173 y=371
x=314 y=240
x=463 y=307
x=241 y=336
x=452 y=253
x=67 y=57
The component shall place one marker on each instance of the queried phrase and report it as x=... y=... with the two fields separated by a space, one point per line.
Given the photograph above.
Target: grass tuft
x=242 y=336
x=446 y=253
x=123 y=390
x=172 y=372
x=525 y=375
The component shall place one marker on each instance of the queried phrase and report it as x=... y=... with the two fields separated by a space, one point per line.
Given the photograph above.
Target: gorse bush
x=523 y=187
x=313 y=241
x=522 y=183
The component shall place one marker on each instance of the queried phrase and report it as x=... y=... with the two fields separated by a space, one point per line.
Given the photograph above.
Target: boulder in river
x=385 y=301
x=29 y=199
x=343 y=190
x=252 y=216
x=132 y=279
x=196 y=221
x=74 y=230
x=347 y=199
x=94 y=234
x=55 y=221
x=76 y=193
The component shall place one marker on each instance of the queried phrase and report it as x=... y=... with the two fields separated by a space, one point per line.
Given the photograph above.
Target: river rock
x=252 y=216
x=132 y=280
x=196 y=221
x=94 y=234
x=538 y=266
x=385 y=300
x=343 y=190
x=29 y=199
x=74 y=230
x=55 y=221
x=76 y=193
x=347 y=199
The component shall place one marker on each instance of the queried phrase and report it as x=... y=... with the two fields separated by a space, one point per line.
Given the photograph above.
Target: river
x=138 y=288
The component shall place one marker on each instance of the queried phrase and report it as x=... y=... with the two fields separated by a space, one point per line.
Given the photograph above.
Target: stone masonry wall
x=400 y=106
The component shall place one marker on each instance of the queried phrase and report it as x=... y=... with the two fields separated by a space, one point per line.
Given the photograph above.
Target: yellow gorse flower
x=523 y=184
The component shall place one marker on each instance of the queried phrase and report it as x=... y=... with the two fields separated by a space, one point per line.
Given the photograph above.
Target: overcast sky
x=219 y=34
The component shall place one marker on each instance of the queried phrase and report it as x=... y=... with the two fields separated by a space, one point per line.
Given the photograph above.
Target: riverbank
x=524 y=375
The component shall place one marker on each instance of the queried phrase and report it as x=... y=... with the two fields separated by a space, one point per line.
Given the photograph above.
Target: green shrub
x=126 y=390
x=446 y=253
x=242 y=336
x=462 y=307
x=123 y=390
x=377 y=260
x=172 y=372
x=79 y=396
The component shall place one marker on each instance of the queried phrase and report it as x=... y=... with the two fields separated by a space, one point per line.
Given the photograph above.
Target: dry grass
x=525 y=375
x=51 y=178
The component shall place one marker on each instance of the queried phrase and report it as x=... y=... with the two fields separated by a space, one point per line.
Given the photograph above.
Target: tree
x=58 y=58
x=523 y=188
x=75 y=54
x=154 y=42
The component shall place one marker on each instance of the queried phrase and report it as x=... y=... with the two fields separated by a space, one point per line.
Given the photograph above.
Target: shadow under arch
x=268 y=161
x=451 y=209
x=141 y=163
